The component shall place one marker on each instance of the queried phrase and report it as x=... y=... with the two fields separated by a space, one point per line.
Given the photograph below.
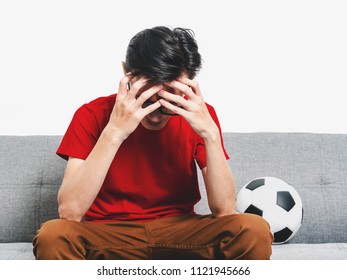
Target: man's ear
x=124 y=68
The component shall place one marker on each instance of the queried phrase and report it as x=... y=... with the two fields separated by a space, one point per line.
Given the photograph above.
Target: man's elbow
x=68 y=213
x=222 y=211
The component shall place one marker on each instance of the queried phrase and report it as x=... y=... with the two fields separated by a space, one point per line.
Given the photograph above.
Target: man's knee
x=50 y=236
x=253 y=223
x=256 y=231
x=47 y=232
x=251 y=239
x=255 y=226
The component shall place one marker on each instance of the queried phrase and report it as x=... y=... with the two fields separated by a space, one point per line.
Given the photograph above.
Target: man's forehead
x=152 y=82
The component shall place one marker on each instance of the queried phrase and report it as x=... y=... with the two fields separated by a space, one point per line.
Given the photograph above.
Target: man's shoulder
x=209 y=106
x=101 y=103
x=211 y=110
x=98 y=109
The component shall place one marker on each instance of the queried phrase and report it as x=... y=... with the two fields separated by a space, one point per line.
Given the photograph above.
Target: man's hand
x=193 y=108
x=128 y=112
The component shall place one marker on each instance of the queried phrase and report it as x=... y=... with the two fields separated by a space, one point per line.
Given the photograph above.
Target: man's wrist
x=211 y=135
x=113 y=135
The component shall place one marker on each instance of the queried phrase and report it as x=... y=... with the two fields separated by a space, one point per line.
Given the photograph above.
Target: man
x=130 y=184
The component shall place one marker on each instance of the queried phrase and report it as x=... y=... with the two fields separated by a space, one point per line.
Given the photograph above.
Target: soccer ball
x=277 y=202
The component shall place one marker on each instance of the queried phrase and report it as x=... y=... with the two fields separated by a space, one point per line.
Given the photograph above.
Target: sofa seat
x=302 y=251
x=16 y=251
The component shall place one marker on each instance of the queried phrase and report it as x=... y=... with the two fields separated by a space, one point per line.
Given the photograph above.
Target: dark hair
x=162 y=54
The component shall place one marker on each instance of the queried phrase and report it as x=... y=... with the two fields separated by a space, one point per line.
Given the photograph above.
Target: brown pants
x=238 y=236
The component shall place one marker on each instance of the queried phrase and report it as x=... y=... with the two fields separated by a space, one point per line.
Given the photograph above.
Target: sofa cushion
x=314 y=164
x=31 y=174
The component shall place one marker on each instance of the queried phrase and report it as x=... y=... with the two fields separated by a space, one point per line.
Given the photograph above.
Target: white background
x=276 y=66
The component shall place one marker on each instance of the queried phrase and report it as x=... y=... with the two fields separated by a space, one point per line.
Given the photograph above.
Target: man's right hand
x=127 y=112
x=84 y=178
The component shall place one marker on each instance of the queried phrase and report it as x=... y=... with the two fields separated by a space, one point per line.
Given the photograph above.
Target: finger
x=123 y=84
x=185 y=89
x=148 y=94
x=151 y=108
x=136 y=87
x=173 y=108
x=192 y=84
x=179 y=100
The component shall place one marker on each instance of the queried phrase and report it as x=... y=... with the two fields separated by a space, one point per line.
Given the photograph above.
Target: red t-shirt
x=154 y=172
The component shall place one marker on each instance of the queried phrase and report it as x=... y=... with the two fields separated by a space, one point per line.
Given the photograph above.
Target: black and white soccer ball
x=277 y=202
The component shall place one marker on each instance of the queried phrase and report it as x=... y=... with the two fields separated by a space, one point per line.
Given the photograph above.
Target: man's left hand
x=190 y=105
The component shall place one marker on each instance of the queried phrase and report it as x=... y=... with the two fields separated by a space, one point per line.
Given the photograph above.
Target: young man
x=130 y=184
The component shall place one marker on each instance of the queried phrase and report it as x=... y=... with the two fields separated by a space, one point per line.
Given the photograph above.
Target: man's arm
x=217 y=174
x=219 y=181
x=83 y=179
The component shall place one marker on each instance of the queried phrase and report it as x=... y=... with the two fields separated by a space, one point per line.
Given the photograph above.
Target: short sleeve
x=81 y=135
x=200 y=152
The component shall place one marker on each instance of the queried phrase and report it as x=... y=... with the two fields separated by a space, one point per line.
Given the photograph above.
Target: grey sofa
x=315 y=164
